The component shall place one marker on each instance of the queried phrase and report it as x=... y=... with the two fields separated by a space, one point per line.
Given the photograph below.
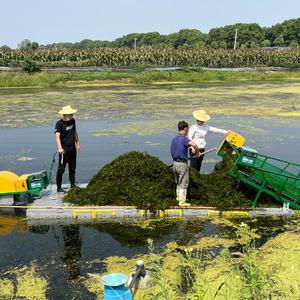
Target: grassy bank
x=43 y=79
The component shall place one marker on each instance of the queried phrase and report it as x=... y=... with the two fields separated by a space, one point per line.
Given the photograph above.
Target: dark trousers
x=69 y=157
x=196 y=162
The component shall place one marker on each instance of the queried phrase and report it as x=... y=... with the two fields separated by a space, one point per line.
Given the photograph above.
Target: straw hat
x=67 y=110
x=201 y=115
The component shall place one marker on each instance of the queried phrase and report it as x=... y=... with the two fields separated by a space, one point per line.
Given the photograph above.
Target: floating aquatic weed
x=161 y=103
x=141 y=128
x=23 y=283
x=6 y=289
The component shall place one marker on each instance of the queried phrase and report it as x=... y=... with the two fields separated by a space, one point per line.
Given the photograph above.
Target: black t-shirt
x=67 y=133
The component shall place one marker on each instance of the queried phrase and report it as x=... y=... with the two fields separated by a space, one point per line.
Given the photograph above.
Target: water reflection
x=10 y=224
x=72 y=249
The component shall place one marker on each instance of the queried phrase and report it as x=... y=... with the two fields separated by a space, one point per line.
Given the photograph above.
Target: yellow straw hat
x=67 y=110
x=201 y=115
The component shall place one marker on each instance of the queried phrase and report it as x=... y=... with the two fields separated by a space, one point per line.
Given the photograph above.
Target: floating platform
x=50 y=206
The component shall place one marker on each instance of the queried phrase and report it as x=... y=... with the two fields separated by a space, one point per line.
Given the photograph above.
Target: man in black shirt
x=67 y=141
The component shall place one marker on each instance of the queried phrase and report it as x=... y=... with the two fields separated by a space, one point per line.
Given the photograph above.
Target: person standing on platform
x=67 y=141
x=179 y=151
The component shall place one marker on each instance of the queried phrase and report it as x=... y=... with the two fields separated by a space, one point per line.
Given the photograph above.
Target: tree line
x=249 y=35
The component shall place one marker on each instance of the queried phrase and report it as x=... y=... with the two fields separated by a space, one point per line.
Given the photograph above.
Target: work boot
x=61 y=190
x=185 y=204
x=177 y=193
x=182 y=198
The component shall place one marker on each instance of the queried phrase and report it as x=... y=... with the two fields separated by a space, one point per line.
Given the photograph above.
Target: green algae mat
x=154 y=103
x=197 y=272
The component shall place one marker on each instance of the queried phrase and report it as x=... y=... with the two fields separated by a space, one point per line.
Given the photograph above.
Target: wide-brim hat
x=67 y=110
x=201 y=115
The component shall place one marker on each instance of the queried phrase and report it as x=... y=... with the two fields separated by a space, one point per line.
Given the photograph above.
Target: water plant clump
x=133 y=178
x=217 y=189
x=144 y=181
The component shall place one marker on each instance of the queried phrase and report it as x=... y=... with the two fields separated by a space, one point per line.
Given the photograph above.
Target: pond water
x=113 y=121
x=65 y=253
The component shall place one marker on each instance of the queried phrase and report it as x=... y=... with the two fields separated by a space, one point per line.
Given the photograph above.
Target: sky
x=49 y=21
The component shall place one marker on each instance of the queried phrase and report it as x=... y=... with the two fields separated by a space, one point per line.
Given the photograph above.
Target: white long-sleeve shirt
x=198 y=133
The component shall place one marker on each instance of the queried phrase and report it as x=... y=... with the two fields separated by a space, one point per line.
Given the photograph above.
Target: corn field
x=145 y=57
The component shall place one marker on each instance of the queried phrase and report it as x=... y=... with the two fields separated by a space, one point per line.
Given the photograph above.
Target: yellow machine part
x=21 y=183
x=7 y=182
x=11 y=183
x=235 y=139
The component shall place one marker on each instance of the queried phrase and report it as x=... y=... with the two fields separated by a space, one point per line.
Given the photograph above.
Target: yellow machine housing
x=235 y=139
x=21 y=183
x=12 y=183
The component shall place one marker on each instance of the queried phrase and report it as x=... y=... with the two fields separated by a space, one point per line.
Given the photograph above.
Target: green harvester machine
x=276 y=177
x=27 y=187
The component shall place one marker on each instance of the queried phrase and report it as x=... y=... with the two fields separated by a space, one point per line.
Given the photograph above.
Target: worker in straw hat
x=67 y=141
x=198 y=132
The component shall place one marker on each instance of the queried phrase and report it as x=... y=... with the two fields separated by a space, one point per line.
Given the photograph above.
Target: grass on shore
x=44 y=79
x=196 y=272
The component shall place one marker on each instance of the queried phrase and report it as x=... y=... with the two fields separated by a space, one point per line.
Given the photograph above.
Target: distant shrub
x=30 y=66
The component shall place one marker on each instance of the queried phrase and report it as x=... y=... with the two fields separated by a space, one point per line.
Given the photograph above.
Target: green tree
x=171 y=39
x=28 y=45
x=200 y=44
x=294 y=44
x=223 y=45
x=34 y=45
x=266 y=43
x=128 y=40
x=5 y=48
x=25 y=45
x=247 y=33
x=254 y=45
x=289 y=30
x=189 y=38
x=279 y=42
x=214 y=45
x=86 y=43
x=150 y=39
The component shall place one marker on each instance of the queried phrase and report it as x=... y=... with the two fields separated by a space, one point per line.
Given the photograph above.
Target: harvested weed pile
x=142 y=180
x=133 y=178
x=217 y=189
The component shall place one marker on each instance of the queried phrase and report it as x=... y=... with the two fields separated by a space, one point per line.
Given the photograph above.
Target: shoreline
x=19 y=80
